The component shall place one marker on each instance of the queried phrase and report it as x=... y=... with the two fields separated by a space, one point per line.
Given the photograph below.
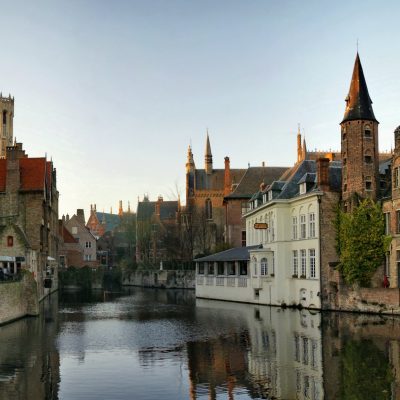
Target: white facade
x=285 y=270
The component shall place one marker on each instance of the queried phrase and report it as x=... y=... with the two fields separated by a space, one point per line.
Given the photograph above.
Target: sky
x=114 y=92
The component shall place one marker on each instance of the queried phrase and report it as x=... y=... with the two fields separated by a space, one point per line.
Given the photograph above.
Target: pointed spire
x=208 y=157
x=299 y=150
x=304 y=149
x=358 y=102
x=190 y=161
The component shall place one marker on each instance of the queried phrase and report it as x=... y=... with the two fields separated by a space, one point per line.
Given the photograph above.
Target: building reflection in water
x=277 y=354
x=29 y=360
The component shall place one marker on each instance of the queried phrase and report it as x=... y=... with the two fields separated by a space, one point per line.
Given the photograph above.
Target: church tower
x=359 y=141
x=6 y=126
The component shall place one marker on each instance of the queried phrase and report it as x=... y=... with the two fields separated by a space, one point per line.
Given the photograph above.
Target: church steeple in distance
x=358 y=102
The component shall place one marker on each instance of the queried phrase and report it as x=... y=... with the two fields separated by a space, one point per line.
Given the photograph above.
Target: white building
x=281 y=265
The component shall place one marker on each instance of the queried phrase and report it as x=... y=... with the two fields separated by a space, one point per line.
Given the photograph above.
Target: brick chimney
x=323 y=173
x=227 y=177
x=158 y=204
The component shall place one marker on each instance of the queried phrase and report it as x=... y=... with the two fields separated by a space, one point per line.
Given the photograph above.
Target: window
x=387 y=223
x=88 y=245
x=270 y=195
x=245 y=207
x=243 y=267
x=231 y=268
x=303 y=188
x=311 y=254
x=201 y=269
x=294 y=228
x=303 y=260
x=4 y=117
x=305 y=350
x=368 y=183
x=398 y=259
x=367 y=132
x=302 y=226
x=296 y=348
x=88 y=257
x=210 y=268
x=272 y=230
x=295 y=263
x=243 y=238
x=397 y=221
x=208 y=209
x=10 y=241
x=311 y=219
x=368 y=159
x=264 y=266
x=397 y=177
x=387 y=265
x=220 y=268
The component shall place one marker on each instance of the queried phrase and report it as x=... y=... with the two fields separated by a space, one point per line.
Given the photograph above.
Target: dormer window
x=265 y=198
x=303 y=188
x=270 y=195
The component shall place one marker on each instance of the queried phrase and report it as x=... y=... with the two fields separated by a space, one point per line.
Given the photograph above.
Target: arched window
x=208 y=209
x=264 y=266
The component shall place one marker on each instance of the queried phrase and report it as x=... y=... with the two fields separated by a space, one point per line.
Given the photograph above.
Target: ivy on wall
x=361 y=242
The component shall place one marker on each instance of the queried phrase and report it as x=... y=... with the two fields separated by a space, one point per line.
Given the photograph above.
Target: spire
x=358 y=102
x=208 y=157
x=304 y=149
x=299 y=151
x=190 y=161
x=120 y=210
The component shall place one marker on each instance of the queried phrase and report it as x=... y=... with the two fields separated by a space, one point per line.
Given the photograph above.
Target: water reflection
x=148 y=344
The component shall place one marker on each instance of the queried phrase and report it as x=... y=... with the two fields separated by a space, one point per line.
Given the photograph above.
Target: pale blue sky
x=114 y=91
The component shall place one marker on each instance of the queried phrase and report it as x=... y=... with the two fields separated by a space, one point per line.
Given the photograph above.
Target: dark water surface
x=159 y=344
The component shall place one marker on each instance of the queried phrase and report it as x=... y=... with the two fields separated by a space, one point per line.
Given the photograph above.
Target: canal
x=151 y=344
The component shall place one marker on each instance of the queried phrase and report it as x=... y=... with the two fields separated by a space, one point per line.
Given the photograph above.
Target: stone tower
x=359 y=141
x=6 y=126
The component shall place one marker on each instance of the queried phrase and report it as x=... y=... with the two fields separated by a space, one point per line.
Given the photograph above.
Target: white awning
x=7 y=258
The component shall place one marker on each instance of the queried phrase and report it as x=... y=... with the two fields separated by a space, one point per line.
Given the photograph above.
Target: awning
x=7 y=258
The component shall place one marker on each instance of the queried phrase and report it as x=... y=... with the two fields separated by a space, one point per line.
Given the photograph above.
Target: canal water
x=159 y=344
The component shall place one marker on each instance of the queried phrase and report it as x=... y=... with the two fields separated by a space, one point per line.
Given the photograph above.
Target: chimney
x=323 y=173
x=80 y=215
x=67 y=218
x=120 y=211
x=158 y=204
x=227 y=177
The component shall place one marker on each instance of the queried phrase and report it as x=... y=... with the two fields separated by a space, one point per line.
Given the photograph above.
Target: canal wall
x=18 y=299
x=369 y=300
x=172 y=279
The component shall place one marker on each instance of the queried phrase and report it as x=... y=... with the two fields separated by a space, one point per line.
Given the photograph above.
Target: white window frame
x=311 y=256
x=303 y=262
x=294 y=228
x=303 y=227
x=295 y=262
x=311 y=220
x=264 y=266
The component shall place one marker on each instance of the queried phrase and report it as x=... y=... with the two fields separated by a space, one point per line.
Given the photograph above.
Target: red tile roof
x=67 y=236
x=32 y=172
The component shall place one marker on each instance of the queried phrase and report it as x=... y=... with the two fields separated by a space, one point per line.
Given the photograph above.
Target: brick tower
x=6 y=126
x=359 y=141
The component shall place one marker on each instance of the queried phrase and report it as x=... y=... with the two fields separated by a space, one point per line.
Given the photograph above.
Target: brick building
x=29 y=215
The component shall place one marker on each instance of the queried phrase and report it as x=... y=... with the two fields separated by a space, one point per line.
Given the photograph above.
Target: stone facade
x=7 y=122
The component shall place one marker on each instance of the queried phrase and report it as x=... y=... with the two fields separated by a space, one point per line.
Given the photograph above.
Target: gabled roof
x=67 y=236
x=146 y=209
x=252 y=180
x=358 y=102
x=235 y=254
x=216 y=180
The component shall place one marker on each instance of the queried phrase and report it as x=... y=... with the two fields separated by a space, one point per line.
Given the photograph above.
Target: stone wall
x=160 y=279
x=374 y=300
x=18 y=299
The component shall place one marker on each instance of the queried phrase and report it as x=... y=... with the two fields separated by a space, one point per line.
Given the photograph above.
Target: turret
x=6 y=126
x=359 y=141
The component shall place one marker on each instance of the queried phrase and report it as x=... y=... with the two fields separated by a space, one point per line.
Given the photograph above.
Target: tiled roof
x=67 y=236
x=168 y=209
x=32 y=172
x=145 y=210
x=111 y=220
x=252 y=179
x=216 y=180
x=235 y=254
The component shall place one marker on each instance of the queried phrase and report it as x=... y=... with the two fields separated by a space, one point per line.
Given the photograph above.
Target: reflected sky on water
x=152 y=344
